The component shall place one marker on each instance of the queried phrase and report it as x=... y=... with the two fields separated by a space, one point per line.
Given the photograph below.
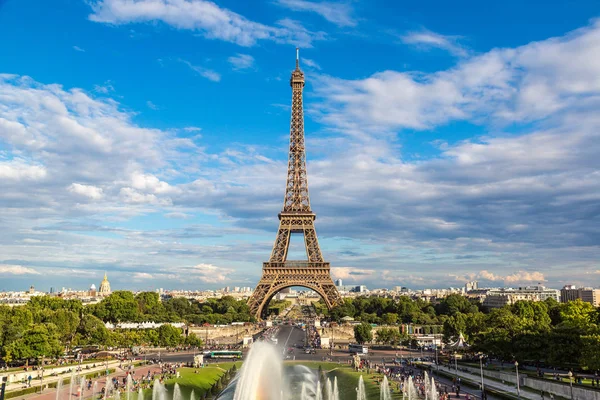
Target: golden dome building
x=104 y=287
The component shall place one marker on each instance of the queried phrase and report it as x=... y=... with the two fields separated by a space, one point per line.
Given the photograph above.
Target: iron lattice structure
x=296 y=217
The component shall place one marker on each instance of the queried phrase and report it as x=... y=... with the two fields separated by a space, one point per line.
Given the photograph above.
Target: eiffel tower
x=296 y=217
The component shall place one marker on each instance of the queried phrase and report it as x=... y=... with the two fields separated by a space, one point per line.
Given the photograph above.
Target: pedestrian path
x=502 y=387
x=67 y=392
x=48 y=378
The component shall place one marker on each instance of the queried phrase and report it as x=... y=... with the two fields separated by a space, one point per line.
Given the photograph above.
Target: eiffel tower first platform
x=279 y=272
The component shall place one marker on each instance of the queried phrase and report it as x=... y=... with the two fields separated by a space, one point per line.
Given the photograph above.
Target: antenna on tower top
x=297 y=57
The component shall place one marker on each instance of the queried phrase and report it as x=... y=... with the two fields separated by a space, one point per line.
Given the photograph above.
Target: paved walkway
x=506 y=388
x=97 y=385
x=48 y=378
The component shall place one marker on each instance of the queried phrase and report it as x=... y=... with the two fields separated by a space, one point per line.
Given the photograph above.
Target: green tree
x=67 y=323
x=362 y=333
x=168 y=335
x=91 y=330
x=193 y=340
x=389 y=318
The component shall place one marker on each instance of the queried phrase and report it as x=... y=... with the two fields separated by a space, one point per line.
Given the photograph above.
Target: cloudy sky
x=446 y=142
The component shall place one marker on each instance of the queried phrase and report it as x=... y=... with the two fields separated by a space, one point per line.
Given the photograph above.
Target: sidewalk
x=48 y=378
x=97 y=385
x=499 y=386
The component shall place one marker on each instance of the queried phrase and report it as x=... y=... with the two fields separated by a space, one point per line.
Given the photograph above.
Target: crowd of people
x=139 y=381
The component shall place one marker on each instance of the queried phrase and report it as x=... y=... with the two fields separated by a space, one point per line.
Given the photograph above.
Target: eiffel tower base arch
x=276 y=279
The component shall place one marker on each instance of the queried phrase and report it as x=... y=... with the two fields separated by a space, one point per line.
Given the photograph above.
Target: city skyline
x=151 y=143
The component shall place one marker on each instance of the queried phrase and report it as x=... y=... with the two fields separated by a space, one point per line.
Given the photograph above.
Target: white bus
x=357 y=348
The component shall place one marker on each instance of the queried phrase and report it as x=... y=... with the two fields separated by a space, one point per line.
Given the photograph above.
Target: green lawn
x=200 y=382
x=348 y=380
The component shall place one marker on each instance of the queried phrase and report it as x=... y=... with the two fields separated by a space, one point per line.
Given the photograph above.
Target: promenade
x=97 y=385
x=489 y=384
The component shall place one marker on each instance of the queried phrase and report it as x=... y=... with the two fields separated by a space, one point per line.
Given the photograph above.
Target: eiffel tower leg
x=277 y=279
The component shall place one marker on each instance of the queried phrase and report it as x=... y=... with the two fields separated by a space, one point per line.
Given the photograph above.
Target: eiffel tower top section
x=296 y=199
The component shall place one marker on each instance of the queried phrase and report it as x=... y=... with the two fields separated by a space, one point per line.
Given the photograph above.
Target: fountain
x=108 y=387
x=117 y=395
x=141 y=394
x=434 y=393
x=192 y=397
x=159 y=392
x=409 y=391
x=361 y=393
x=58 y=386
x=319 y=395
x=71 y=383
x=385 y=393
x=94 y=387
x=128 y=385
x=81 y=387
x=176 y=392
x=328 y=390
x=336 y=394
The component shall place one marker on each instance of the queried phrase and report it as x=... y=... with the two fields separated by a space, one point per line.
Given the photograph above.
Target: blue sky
x=446 y=142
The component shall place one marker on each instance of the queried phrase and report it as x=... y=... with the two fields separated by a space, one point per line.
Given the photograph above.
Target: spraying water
x=385 y=393
x=261 y=376
x=328 y=390
x=108 y=388
x=94 y=389
x=71 y=383
x=176 y=392
x=336 y=393
x=140 y=394
x=58 y=386
x=128 y=386
x=192 y=397
x=361 y=393
x=319 y=395
x=159 y=392
x=434 y=393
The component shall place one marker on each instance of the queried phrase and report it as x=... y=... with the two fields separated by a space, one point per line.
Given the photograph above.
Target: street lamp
x=455 y=365
x=518 y=386
x=570 y=374
x=481 y=369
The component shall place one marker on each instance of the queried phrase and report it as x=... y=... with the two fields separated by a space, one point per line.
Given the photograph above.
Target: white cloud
x=16 y=170
x=192 y=129
x=339 y=13
x=206 y=17
x=142 y=275
x=205 y=72
x=241 y=61
x=132 y=196
x=150 y=183
x=309 y=63
x=90 y=191
x=105 y=88
x=427 y=39
x=151 y=105
x=516 y=277
x=77 y=48
x=17 y=270
x=178 y=215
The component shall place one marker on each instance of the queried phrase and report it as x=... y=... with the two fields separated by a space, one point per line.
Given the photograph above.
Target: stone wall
x=225 y=334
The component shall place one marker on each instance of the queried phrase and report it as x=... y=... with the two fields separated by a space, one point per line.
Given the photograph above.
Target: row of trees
x=559 y=334
x=46 y=326
x=123 y=306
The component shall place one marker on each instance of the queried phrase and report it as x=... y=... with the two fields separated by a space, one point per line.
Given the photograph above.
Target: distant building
x=587 y=294
x=339 y=283
x=104 y=287
x=497 y=298
x=93 y=292
x=471 y=286
x=31 y=289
